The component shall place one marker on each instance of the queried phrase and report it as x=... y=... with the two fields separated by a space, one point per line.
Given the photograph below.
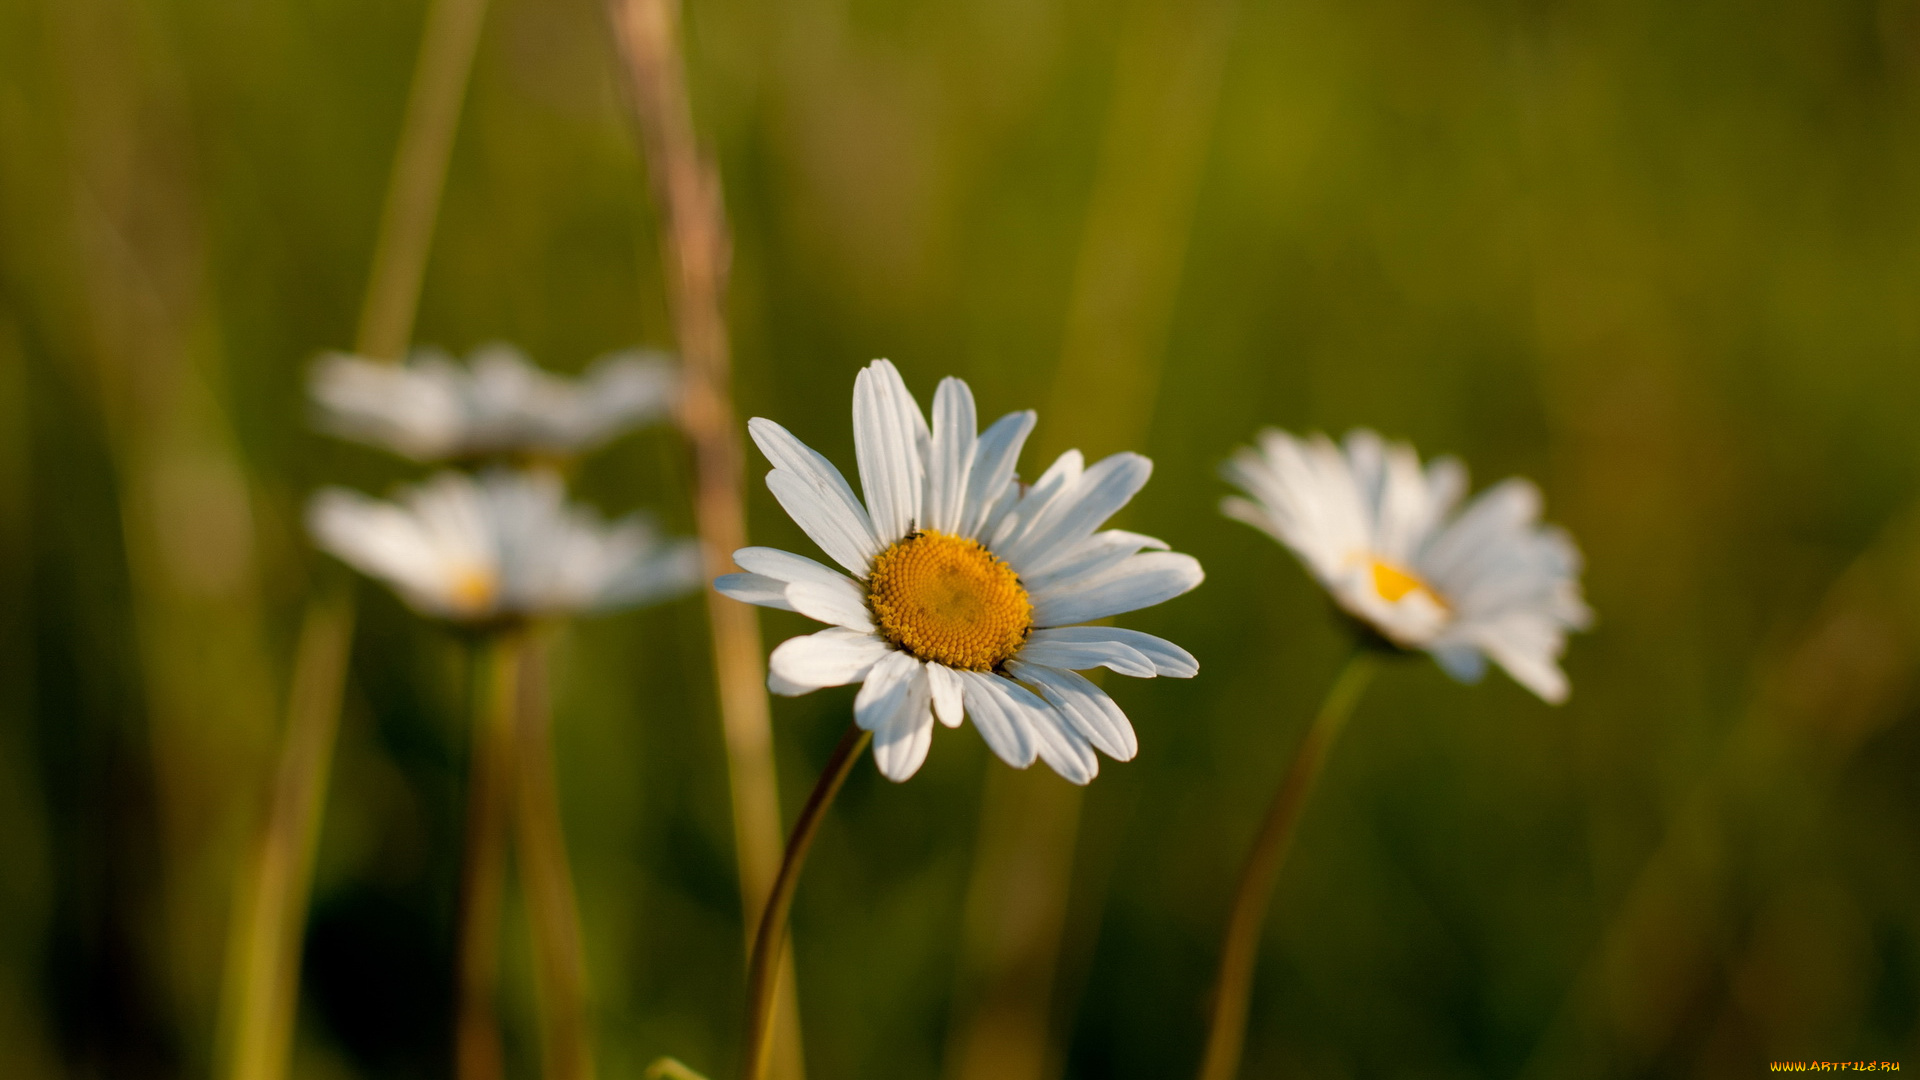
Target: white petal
x=1053 y=485
x=1527 y=647
x=1168 y=658
x=994 y=458
x=1086 y=706
x=1085 y=655
x=900 y=748
x=1141 y=581
x=950 y=460
x=786 y=566
x=893 y=704
x=655 y=571
x=1094 y=555
x=832 y=657
x=1056 y=740
x=754 y=589
x=948 y=691
x=1462 y=661
x=1051 y=735
x=839 y=602
x=814 y=483
x=886 y=424
x=994 y=716
x=785 y=688
x=843 y=538
x=1100 y=492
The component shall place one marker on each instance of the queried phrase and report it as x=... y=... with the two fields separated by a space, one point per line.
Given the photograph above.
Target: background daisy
x=1383 y=536
x=499 y=545
x=433 y=408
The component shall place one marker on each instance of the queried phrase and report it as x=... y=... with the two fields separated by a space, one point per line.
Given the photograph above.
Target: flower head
x=432 y=408
x=1381 y=535
x=501 y=545
x=965 y=585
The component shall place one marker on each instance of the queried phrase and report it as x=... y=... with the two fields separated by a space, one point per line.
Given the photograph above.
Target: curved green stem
x=1227 y=1031
x=763 y=968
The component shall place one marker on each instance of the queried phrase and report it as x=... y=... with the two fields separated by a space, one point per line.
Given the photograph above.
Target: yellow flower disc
x=1394 y=583
x=473 y=589
x=950 y=601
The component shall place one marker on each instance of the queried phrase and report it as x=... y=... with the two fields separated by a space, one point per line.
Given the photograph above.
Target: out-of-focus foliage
x=1663 y=258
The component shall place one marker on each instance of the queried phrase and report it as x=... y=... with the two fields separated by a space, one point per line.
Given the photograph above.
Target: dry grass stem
x=696 y=250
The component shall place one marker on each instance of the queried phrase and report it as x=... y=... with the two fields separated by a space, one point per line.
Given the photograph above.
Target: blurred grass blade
x=268 y=991
x=1126 y=278
x=553 y=908
x=419 y=176
x=273 y=909
x=697 y=250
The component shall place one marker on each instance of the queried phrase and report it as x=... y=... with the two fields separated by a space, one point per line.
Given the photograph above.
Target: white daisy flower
x=501 y=545
x=1382 y=536
x=966 y=585
x=432 y=408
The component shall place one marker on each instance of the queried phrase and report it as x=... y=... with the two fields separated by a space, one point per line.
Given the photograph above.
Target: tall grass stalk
x=1239 y=953
x=553 y=908
x=274 y=901
x=697 y=248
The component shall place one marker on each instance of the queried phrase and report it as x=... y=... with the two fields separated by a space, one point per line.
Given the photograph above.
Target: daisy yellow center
x=948 y=600
x=473 y=588
x=1395 y=583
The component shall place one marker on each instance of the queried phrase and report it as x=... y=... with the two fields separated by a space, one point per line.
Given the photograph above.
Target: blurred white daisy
x=965 y=584
x=433 y=408
x=1382 y=536
x=501 y=545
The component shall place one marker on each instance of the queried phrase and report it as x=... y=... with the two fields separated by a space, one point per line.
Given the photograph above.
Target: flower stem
x=477 y=1050
x=1227 y=1032
x=553 y=908
x=770 y=941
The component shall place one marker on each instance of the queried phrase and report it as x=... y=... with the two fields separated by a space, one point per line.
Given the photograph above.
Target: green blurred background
x=1662 y=257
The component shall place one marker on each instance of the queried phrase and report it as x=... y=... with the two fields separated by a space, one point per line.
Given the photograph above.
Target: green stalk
x=553 y=907
x=1227 y=1032
x=769 y=943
